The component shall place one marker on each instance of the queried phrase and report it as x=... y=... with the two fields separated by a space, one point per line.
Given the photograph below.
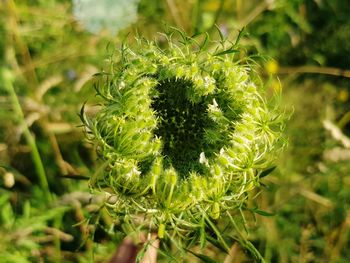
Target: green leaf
x=267 y=172
x=202 y=257
x=202 y=234
x=217 y=244
x=222 y=38
x=261 y=212
x=185 y=38
x=241 y=34
x=74 y=176
x=227 y=51
x=82 y=115
x=217 y=232
x=228 y=240
x=253 y=251
x=205 y=42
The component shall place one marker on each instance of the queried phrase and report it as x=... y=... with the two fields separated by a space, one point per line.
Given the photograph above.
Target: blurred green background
x=49 y=49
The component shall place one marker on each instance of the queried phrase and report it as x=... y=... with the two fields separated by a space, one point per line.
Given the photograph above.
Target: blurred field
x=49 y=51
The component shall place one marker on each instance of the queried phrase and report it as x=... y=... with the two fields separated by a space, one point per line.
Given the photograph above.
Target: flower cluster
x=184 y=134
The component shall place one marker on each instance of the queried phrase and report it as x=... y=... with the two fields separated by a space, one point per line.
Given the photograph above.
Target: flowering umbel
x=184 y=135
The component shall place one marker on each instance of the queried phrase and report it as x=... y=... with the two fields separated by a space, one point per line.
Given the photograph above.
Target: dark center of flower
x=181 y=126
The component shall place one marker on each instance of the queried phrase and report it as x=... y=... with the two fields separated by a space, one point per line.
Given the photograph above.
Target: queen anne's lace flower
x=184 y=135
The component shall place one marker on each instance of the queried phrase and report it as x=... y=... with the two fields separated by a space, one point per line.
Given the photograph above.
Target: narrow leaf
x=227 y=51
x=202 y=234
x=267 y=172
x=181 y=33
x=74 y=176
x=82 y=116
x=261 y=212
x=241 y=33
x=205 y=42
x=222 y=38
x=217 y=244
x=202 y=257
x=217 y=232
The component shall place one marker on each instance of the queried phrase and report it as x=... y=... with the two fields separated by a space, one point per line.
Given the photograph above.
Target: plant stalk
x=7 y=80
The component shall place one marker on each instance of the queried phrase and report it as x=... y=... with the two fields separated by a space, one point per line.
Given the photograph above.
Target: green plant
x=26 y=235
x=184 y=136
x=7 y=79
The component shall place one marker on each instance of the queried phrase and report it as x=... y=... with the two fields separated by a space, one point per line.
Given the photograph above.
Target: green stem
x=245 y=242
x=218 y=13
x=196 y=16
x=170 y=195
x=7 y=80
x=57 y=242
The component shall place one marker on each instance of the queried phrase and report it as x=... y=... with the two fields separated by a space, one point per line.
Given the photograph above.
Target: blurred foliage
x=109 y=14
x=24 y=234
x=52 y=58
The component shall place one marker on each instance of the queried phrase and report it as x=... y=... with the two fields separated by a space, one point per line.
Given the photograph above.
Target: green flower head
x=184 y=134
